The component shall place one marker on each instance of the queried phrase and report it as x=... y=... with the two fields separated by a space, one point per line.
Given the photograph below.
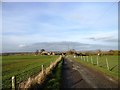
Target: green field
x=101 y=66
x=22 y=67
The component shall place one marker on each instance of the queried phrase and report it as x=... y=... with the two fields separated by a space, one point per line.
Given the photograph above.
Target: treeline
x=69 y=52
x=87 y=53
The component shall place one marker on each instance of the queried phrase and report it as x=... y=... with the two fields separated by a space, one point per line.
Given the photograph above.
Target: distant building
x=53 y=53
x=44 y=53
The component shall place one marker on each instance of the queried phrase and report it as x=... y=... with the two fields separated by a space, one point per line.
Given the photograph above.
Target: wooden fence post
x=84 y=58
x=97 y=61
x=107 y=64
x=42 y=68
x=81 y=57
x=13 y=83
x=87 y=58
x=91 y=60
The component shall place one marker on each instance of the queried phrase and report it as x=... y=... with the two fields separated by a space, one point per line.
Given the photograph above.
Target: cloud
x=107 y=39
x=28 y=23
x=52 y=16
x=60 y=1
x=105 y=36
x=21 y=45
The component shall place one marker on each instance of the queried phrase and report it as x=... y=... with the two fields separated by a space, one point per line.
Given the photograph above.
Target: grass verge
x=114 y=75
x=55 y=78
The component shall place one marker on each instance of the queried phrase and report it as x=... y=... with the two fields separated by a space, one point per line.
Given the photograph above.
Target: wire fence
x=107 y=62
x=22 y=76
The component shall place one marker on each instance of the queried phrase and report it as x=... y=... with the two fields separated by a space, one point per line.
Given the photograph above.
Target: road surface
x=75 y=75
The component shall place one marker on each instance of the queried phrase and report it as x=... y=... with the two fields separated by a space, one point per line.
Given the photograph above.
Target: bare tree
x=37 y=52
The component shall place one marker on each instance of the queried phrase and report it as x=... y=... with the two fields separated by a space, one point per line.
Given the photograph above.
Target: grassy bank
x=101 y=67
x=22 y=67
x=55 y=79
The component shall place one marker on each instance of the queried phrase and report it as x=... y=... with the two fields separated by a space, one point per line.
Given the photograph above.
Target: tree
x=37 y=52
x=42 y=50
x=70 y=52
x=99 y=52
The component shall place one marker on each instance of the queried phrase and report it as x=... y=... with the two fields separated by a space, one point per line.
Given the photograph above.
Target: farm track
x=75 y=75
x=72 y=78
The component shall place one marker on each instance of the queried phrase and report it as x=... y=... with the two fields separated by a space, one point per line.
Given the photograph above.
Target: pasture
x=22 y=67
x=100 y=64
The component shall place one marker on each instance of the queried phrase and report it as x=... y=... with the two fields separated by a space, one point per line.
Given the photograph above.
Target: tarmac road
x=76 y=75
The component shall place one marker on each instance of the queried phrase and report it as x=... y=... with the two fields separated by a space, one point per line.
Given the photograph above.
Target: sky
x=59 y=0
x=27 y=23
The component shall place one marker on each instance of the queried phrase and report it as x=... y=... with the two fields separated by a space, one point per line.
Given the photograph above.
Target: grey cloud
x=106 y=39
x=58 y=46
x=112 y=40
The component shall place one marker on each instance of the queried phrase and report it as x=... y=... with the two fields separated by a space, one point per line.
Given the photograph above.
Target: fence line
x=86 y=58
x=18 y=79
x=41 y=77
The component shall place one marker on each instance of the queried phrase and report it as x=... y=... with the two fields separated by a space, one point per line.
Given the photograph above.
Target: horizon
x=28 y=23
x=68 y=44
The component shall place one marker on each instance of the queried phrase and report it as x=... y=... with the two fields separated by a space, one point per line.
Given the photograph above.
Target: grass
x=55 y=79
x=22 y=67
x=102 y=67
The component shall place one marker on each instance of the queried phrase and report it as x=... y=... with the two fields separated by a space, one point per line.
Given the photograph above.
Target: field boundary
x=99 y=69
x=39 y=80
x=93 y=77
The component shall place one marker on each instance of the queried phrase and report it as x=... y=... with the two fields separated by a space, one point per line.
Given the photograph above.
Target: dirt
x=76 y=75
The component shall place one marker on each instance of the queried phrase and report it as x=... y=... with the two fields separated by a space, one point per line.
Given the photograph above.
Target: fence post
x=91 y=60
x=87 y=58
x=81 y=57
x=84 y=58
x=13 y=83
x=42 y=68
x=97 y=61
x=107 y=64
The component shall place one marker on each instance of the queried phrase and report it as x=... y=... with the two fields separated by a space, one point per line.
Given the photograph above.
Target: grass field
x=102 y=66
x=22 y=67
